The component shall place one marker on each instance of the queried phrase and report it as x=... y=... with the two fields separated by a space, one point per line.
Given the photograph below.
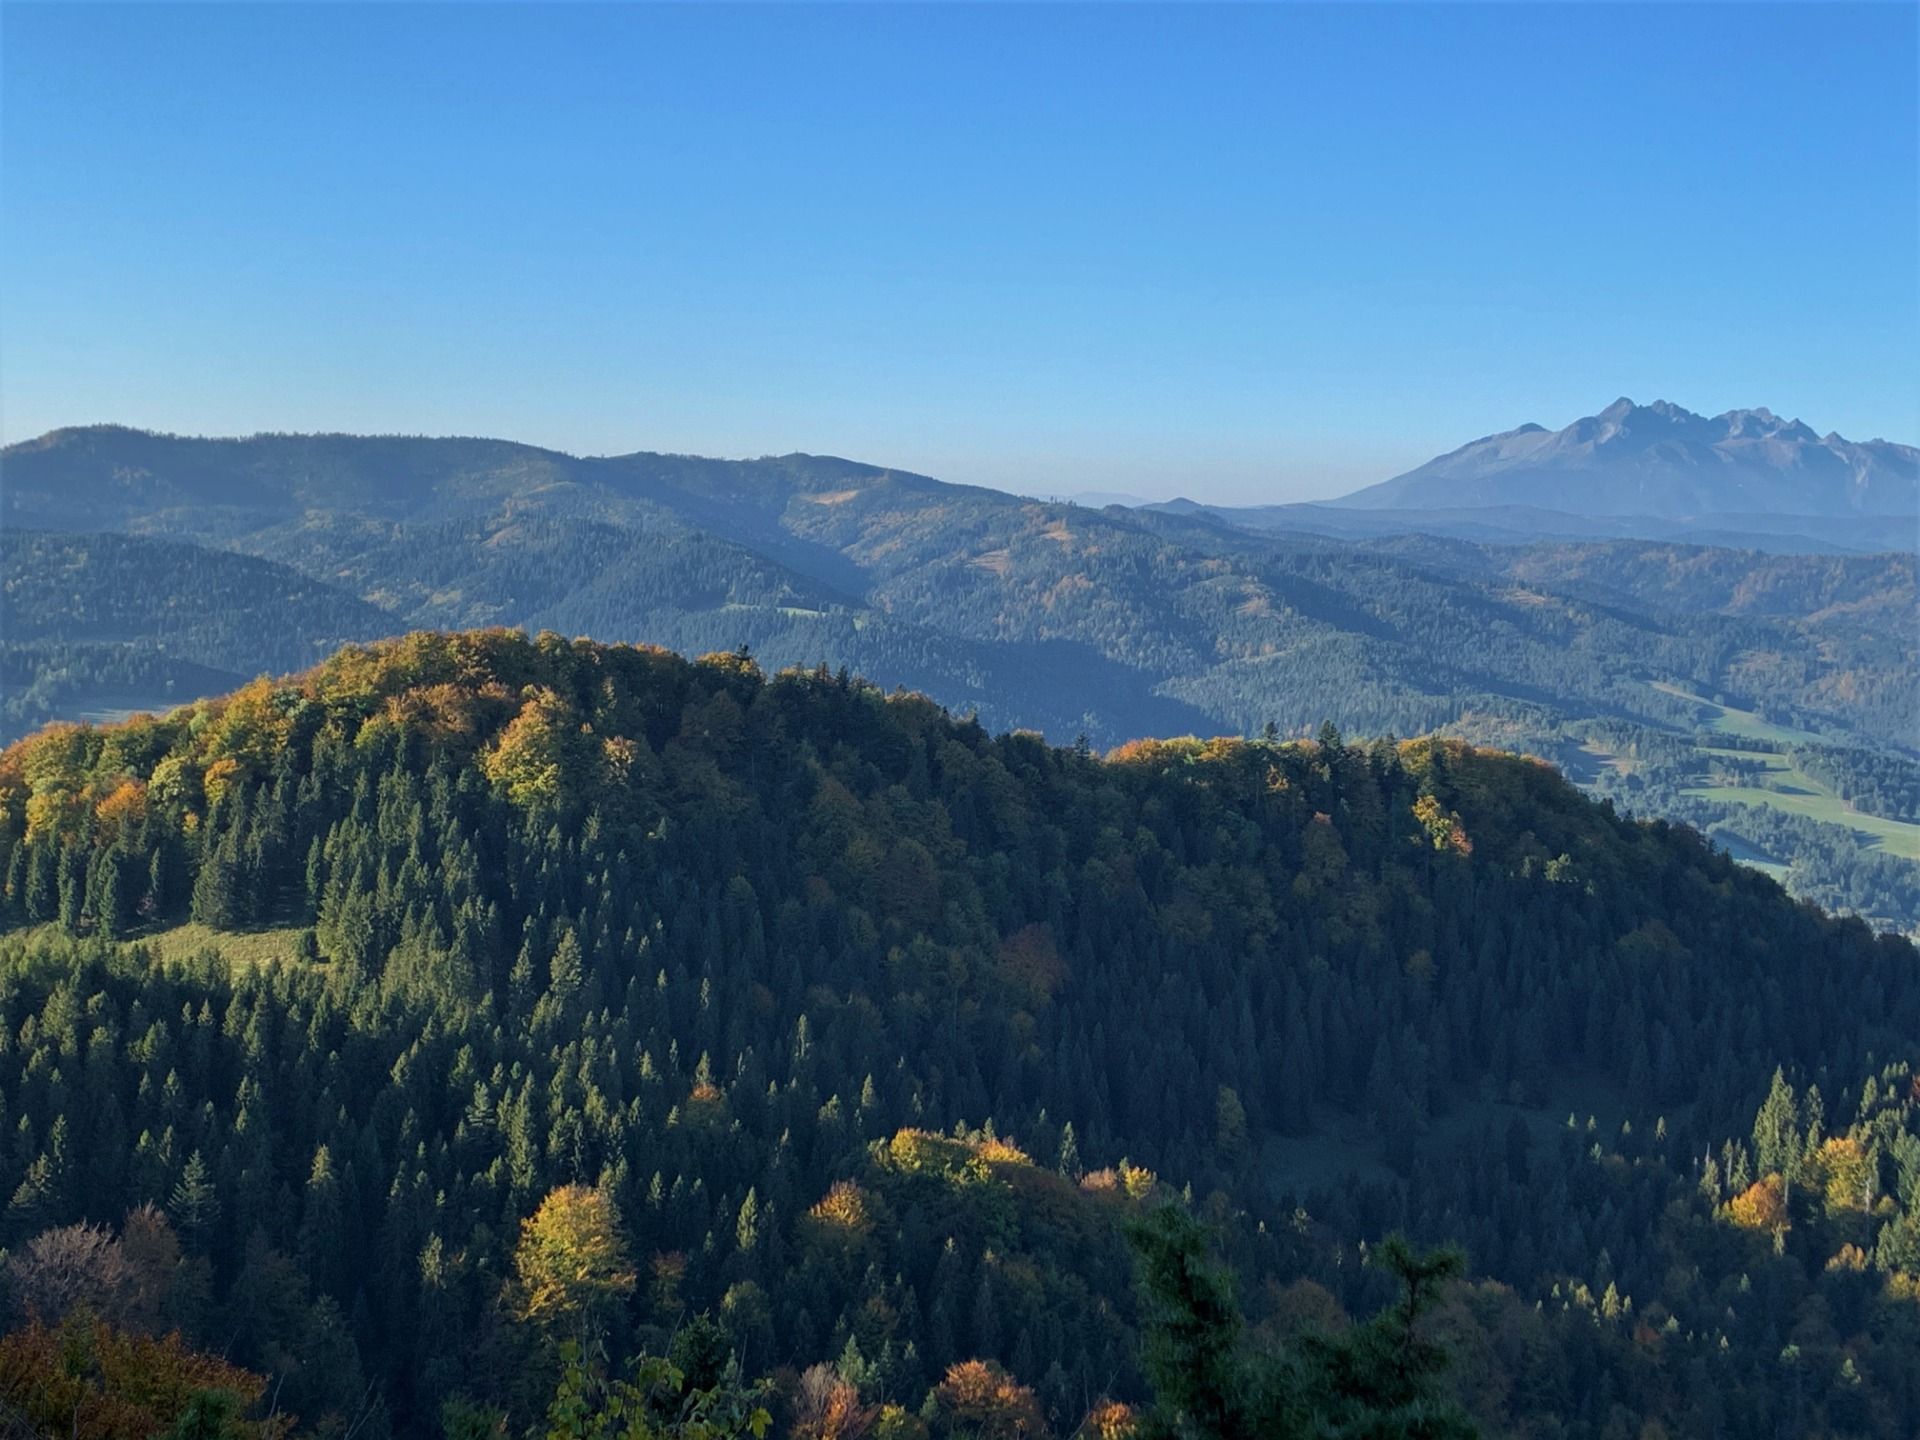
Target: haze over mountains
x=1663 y=461
x=1335 y=985
x=1746 y=479
x=1609 y=655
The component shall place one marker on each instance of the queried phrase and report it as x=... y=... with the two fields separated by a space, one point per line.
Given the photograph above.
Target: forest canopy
x=476 y=995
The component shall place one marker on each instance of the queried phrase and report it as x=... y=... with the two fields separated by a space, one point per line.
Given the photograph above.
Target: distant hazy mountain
x=1776 y=534
x=1100 y=499
x=1662 y=461
x=1066 y=618
x=143 y=570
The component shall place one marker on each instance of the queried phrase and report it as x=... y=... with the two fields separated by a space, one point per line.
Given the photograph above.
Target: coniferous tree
x=194 y=1204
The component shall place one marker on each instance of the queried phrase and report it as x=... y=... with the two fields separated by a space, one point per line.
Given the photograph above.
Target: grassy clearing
x=242 y=949
x=1744 y=723
x=1765 y=759
x=1750 y=857
x=1608 y=759
x=1786 y=787
x=111 y=710
x=1895 y=837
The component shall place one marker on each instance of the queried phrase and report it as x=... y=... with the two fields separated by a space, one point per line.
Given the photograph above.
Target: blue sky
x=1239 y=253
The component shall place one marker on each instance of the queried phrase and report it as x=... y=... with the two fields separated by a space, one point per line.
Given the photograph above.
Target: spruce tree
x=194 y=1205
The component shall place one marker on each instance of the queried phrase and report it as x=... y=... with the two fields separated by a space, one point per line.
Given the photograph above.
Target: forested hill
x=873 y=1027
x=1634 y=666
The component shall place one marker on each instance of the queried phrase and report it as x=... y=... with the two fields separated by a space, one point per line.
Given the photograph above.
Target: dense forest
x=1109 y=623
x=434 y=1035
x=96 y=624
x=1883 y=784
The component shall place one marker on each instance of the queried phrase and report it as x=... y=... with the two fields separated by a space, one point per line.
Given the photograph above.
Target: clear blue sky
x=1245 y=254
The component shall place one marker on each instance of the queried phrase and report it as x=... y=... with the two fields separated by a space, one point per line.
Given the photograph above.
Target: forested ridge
x=867 y=1035
x=1111 y=623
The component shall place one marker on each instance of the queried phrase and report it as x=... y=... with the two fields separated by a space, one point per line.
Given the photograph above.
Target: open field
x=244 y=948
x=1895 y=837
x=1750 y=857
x=1744 y=723
x=1787 y=787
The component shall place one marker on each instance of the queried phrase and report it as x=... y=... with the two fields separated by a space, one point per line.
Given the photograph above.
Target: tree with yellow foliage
x=538 y=758
x=1761 y=1206
x=1110 y=1420
x=1442 y=825
x=1850 y=1171
x=571 y=1265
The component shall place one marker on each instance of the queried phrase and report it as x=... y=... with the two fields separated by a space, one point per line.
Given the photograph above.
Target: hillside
x=1073 y=621
x=94 y=625
x=875 y=1027
x=1664 y=461
x=1524 y=524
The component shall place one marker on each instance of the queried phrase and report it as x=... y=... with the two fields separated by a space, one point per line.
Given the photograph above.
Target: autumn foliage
x=978 y=1398
x=572 y=1261
x=88 y=1379
x=1761 y=1206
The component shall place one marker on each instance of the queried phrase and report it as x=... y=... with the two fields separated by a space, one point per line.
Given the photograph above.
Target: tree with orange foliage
x=85 y=1378
x=1761 y=1206
x=1030 y=963
x=827 y=1407
x=123 y=808
x=978 y=1398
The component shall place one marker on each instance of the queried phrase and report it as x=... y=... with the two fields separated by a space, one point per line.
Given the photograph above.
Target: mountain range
x=478 y=989
x=1664 y=462
x=144 y=571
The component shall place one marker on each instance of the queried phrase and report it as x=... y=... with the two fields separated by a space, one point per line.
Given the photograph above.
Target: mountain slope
x=876 y=1028
x=1526 y=524
x=187 y=601
x=1109 y=623
x=99 y=624
x=814 y=558
x=1660 y=460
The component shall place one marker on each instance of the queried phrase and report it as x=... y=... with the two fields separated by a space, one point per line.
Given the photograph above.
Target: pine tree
x=34 y=1201
x=1379 y=1379
x=193 y=1204
x=746 y=1230
x=1776 y=1133
x=159 y=898
x=322 y=1234
x=217 y=889
x=113 y=907
x=1069 y=1165
x=43 y=883
x=73 y=888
